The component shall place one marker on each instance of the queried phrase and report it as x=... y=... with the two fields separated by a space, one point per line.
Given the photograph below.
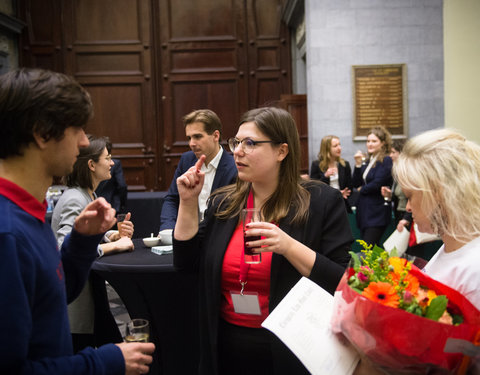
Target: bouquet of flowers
x=402 y=319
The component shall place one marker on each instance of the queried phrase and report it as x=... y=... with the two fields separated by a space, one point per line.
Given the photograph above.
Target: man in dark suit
x=203 y=130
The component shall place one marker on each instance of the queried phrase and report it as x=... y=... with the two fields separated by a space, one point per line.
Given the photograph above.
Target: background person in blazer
x=373 y=215
x=332 y=169
x=203 y=130
x=305 y=232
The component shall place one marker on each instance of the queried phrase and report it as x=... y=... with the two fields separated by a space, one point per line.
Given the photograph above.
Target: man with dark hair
x=42 y=115
x=203 y=130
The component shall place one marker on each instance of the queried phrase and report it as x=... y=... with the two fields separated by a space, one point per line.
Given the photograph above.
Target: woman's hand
x=331 y=171
x=125 y=228
x=386 y=192
x=359 y=157
x=346 y=193
x=190 y=183
x=276 y=240
x=122 y=244
x=402 y=224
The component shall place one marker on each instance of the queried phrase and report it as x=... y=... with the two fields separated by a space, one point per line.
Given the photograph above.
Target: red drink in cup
x=250 y=215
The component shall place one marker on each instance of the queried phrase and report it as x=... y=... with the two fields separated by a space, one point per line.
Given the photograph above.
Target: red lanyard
x=244 y=267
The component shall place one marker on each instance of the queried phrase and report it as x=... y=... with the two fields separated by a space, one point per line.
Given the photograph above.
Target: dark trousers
x=244 y=350
x=372 y=235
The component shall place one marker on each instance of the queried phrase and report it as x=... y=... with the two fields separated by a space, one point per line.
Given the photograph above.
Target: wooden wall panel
x=268 y=53
x=203 y=66
x=297 y=106
x=108 y=47
x=147 y=63
x=42 y=38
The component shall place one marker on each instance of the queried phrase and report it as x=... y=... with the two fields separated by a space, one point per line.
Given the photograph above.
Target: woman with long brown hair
x=373 y=215
x=332 y=169
x=304 y=232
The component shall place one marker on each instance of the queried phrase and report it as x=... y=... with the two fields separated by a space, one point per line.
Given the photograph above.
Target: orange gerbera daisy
x=383 y=293
x=411 y=282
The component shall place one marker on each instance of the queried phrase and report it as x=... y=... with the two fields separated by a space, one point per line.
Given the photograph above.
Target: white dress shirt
x=208 y=182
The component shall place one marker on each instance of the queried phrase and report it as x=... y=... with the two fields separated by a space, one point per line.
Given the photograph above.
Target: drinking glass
x=138 y=330
x=250 y=215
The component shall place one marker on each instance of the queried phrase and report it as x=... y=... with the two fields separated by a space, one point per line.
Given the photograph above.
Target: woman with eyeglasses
x=92 y=166
x=304 y=232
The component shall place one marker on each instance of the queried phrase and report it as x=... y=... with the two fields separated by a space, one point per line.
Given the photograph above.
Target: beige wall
x=462 y=66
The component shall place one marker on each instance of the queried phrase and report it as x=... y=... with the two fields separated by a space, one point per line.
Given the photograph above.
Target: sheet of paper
x=302 y=321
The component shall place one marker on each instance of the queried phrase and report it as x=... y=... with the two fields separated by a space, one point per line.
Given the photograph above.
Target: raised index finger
x=199 y=163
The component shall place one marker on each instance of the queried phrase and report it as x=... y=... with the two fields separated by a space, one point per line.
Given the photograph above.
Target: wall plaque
x=379 y=98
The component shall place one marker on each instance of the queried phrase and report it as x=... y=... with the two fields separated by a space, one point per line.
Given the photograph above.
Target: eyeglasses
x=248 y=145
x=108 y=158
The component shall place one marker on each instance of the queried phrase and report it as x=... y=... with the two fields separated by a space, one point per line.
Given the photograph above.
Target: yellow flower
x=398 y=264
x=425 y=296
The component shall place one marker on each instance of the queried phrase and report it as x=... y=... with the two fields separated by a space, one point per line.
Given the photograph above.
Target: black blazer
x=344 y=177
x=371 y=210
x=327 y=232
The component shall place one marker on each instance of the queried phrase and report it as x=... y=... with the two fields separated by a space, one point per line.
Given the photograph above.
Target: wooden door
x=225 y=55
x=147 y=63
x=268 y=53
x=108 y=50
x=41 y=41
x=203 y=62
x=296 y=105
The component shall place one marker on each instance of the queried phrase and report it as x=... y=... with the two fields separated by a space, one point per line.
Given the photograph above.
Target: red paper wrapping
x=398 y=340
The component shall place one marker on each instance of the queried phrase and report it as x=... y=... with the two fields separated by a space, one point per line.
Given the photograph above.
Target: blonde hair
x=384 y=135
x=277 y=125
x=445 y=168
x=325 y=154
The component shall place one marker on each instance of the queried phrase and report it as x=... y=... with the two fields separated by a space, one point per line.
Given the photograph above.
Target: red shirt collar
x=23 y=199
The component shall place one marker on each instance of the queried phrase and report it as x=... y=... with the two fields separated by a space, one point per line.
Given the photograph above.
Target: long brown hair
x=384 y=135
x=279 y=126
x=325 y=154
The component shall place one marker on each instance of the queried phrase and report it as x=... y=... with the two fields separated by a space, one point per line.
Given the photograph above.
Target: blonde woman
x=373 y=215
x=332 y=169
x=439 y=172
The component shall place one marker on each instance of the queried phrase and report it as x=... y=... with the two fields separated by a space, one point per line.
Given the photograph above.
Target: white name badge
x=246 y=303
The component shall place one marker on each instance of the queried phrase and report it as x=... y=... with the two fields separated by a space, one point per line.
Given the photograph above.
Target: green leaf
x=356 y=260
x=394 y=252
x=377 y=251
x=436 y=308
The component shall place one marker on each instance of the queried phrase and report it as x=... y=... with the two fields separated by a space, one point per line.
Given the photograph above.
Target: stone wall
x=343 y=33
